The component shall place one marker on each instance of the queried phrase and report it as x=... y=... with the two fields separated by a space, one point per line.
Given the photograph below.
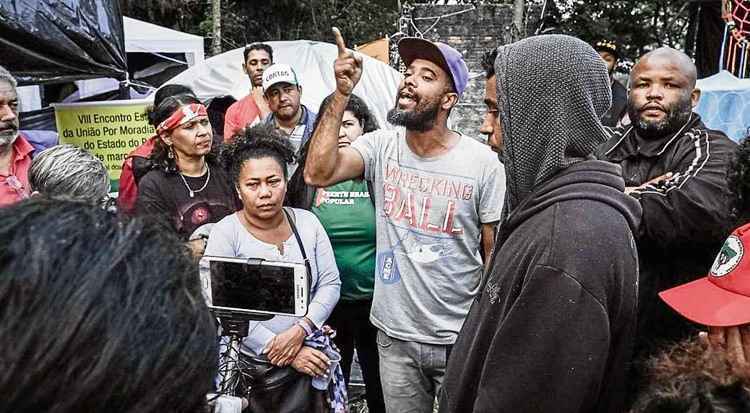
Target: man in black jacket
x=552 y=327
x=676 y=168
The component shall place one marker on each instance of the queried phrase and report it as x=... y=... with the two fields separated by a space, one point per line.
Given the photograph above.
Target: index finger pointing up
x=339 y=41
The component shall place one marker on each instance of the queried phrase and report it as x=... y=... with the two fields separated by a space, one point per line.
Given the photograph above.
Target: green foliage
x=248 y=21
x=637 y=26
x=359 y=20
x=183 y=15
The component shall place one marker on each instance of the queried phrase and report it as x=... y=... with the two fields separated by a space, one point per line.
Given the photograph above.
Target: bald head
x=670 y=59
x=662 y=93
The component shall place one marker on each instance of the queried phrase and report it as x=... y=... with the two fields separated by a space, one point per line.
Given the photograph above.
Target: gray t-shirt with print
x=429 y=216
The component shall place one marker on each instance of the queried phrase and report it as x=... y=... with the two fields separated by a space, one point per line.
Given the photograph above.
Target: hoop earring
x=170 y=152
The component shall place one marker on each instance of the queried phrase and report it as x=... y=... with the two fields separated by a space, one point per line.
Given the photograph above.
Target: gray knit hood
x=551 y=92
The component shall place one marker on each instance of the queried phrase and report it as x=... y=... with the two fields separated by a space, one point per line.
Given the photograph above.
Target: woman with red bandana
x=187 y=185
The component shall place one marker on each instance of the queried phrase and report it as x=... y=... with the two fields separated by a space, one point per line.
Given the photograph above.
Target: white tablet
x=254 y=286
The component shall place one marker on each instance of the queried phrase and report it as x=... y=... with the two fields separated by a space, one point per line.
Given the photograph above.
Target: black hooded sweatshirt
x=552 y=327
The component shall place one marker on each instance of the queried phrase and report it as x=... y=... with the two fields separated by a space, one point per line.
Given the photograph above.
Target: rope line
x=420 y=33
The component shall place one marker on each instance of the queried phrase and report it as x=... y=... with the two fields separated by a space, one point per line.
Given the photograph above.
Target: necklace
x=191 y=191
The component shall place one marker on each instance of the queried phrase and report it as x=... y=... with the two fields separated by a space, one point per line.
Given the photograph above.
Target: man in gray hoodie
x=552 y=327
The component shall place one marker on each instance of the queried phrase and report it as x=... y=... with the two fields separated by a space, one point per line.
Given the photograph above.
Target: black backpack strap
x=290 y=216
x=370 y=191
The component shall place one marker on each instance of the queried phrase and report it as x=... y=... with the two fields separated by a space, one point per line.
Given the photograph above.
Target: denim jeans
x=411 y=373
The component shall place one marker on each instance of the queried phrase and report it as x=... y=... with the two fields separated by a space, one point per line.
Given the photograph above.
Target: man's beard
x=676 y=117
x=8 y=137
x=287 y=117
x=421 y=119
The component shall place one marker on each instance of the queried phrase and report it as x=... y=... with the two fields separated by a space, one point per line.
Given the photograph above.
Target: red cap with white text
x=722 y=298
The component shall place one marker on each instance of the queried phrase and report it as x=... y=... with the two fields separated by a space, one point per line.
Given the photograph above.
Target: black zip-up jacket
x=685 y=221
x=552 y=328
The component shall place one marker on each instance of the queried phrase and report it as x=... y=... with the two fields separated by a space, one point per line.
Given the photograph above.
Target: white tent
x=313 y=61
x=140 y=37
x=725 y=104
x=145 y=37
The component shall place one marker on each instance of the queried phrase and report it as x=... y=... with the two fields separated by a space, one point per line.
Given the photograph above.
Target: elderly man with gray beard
x=15 y=150
x=552 y=327
x=676 y=169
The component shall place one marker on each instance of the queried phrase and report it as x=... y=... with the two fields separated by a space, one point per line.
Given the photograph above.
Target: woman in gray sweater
x=257 y=163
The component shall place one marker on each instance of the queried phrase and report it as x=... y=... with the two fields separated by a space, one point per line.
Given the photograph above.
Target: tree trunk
x=520 y=30
x=216 y=19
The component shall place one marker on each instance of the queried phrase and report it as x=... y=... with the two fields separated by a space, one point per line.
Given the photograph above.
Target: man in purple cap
x=439 y=196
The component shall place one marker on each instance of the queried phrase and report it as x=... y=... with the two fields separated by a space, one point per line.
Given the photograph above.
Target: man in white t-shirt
x=438 y=196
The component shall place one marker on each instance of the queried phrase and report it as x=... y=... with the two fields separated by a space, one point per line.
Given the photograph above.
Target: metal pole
x=229 y=373
x=518 y=7
x=216 y=20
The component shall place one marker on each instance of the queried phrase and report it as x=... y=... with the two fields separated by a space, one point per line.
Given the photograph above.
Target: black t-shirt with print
x=162 y=193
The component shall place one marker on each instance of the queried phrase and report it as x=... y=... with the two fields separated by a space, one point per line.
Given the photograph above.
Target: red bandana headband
x=181 y=116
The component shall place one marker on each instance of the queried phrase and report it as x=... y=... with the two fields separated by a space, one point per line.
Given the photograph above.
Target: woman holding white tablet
x=257 y=163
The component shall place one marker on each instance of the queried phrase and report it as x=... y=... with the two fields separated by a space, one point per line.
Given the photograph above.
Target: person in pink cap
x=709 y=372
x=721 y=300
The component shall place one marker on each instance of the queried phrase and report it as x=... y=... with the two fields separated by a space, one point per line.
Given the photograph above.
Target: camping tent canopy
x=313 y=61
x=50 y=41
x=158 y=48
x=145 y=37
x=725 y=104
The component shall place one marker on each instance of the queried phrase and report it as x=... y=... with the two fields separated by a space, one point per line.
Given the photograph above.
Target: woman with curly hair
x=187 y=184
x=257 y=162
x=347 y=212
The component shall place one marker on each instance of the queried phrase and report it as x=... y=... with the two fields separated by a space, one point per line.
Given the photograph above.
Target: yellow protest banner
x=109 y=130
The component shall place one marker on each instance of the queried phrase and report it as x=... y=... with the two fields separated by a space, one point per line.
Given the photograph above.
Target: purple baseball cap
x=448 y=58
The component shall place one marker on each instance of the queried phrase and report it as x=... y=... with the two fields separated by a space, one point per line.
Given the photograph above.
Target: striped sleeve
x=691 y=206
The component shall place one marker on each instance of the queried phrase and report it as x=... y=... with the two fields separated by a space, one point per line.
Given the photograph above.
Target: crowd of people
x=580 y=258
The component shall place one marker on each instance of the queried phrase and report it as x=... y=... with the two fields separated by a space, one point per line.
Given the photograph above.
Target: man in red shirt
x=253 y=107
x=15 y=150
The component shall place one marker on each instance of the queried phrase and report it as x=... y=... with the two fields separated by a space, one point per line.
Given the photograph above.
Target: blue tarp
x=725 y=104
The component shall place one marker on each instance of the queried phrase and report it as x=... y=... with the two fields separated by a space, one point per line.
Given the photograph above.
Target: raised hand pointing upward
x=347 y=67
